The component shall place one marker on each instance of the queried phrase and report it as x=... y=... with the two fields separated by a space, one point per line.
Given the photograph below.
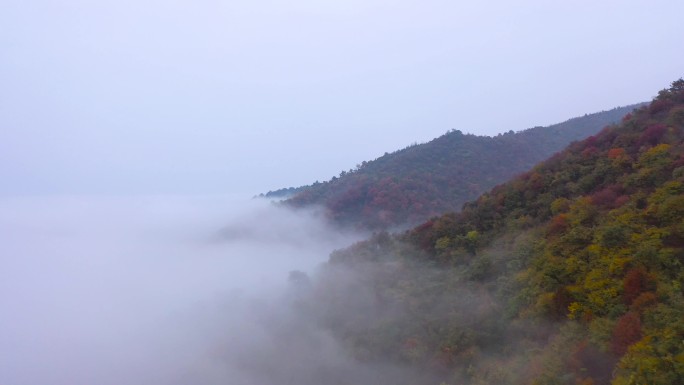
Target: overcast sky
x=215 y=96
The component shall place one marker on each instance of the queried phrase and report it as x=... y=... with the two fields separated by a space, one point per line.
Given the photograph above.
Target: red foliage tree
x=627 y=331
x=644 y=300
x=558 y=224
x=607 y=197
x=615 y=153
x=652 y=135
x=636 y=281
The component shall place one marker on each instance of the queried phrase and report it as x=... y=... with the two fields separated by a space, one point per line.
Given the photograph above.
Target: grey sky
x=211 y=96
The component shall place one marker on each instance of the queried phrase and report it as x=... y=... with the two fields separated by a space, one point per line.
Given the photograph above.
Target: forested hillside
x=568 y=274
x=409 y=186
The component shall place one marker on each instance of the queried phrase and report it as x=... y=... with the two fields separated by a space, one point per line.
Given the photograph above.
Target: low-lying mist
x=162 y=290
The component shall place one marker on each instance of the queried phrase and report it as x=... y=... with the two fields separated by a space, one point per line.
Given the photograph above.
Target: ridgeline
x=409 y=186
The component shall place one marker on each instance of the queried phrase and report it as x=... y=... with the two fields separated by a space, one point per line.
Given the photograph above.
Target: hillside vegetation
x=411 y=185
x=568 y=274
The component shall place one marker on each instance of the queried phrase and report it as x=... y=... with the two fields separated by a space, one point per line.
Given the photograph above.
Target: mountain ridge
x=410 y=185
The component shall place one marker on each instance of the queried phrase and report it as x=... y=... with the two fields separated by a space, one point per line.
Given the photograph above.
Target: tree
x=627 y=331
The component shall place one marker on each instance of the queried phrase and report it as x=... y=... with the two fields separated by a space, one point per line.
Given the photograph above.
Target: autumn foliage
x=570 y=273
x=627 y=331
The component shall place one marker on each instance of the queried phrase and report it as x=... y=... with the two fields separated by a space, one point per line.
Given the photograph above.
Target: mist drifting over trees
x=167 y=290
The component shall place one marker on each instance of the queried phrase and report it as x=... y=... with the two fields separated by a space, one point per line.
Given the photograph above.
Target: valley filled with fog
x=158 y=289
x=455 y=209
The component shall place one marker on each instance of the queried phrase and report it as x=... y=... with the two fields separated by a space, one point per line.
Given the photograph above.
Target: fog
x=174 y=290
x=161 y=290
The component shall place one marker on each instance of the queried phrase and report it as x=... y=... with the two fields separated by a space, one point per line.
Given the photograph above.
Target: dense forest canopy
x=411 y=185
x=570 y=273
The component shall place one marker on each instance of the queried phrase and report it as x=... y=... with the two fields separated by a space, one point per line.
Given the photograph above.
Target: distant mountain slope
x=410 y=185
x=282 y=193
x=572 y=273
